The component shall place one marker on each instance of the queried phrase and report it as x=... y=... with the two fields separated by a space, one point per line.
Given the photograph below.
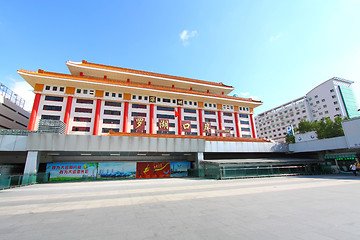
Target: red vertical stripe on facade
x=179 y=120
x=151 y=119
x=237 y=125
x=200 y=123
x=220 y=122
x=252 y=126
x=97 y=117
x=126 y=113
x=67 y=112
x=34 y=112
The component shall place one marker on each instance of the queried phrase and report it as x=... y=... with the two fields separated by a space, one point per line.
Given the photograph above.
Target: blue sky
x=274 y=51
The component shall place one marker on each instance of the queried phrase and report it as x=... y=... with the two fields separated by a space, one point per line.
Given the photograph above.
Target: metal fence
x=9 y=181
x=221 y=172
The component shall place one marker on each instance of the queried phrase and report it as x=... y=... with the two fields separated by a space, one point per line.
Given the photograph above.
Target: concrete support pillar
x=199 y=159
x=31 y=167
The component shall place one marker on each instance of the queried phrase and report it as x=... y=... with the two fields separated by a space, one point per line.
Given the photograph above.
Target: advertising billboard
x=71 y=171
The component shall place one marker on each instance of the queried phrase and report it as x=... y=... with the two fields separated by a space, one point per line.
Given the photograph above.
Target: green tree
x=324 y=129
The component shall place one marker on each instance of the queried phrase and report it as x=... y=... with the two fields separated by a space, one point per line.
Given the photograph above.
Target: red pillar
x=252 y=126
x=67 y=113
x=179 y=120
x=237 y=125
x=97 y=117
x=200 y=122
x=126 y=113
x=34 y=112
x=220 y=123
x=151 y=119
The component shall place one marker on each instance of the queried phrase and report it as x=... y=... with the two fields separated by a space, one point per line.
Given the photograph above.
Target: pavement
x=298 y=207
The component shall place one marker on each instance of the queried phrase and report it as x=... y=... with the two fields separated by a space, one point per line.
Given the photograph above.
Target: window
x=53 y=98
x=337 y=109
x=210 y=120
x=106 y=130
x=205 y=105
x=142 y=106
x=158 y=99
x=82 y=119
x=331 y=90
x=190 y=102
x=323 y=100
x=54 y=88
x=243 y=116
x=107 y=94
x=138 y=114
x=325 y=106
x=78 y=90
x=145 y=98
x=113 y=94
x=139 y=97
x=190 y=118
x=245 y=129
x=134 y=97
x=246 y=136
x=186 y=110
x=52 y=108
x=209 y=112
x=170 y=109
x=50 y=117
x=335 y=102
x=227 y=114
x=112 y=112
x=81 y=129
x=91 y=92
x=47 y=88
x=120 y=96
x=83 y=110
x=317 y=102
x=316 y=96
x=166 y=100
x=333 y=96
x=244 y=122
x=165 y=116
x=84 y=101
x=111 y=121
x=228 y=121
x=61 y=89
x=113 y=104
x=326 y=112
x=84 y=91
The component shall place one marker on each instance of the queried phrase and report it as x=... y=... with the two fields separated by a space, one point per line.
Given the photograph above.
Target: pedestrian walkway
x=305 y=207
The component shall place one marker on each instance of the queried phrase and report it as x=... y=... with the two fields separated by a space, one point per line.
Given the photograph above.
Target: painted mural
x=179 y=169
x=153 y=170
x=112 y=170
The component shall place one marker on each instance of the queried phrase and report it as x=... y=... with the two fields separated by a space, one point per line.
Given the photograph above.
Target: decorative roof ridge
x=132 y=84
x=128 y=70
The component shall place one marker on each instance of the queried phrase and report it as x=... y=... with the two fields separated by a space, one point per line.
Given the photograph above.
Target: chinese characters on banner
x=186 y=126
x=207 y=127
x=139 y=124
x=71 y=171
x=152 y=99
x=163 y=124
x=180 y=102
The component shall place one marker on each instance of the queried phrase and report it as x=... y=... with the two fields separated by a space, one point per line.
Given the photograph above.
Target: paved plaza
x=306 y=207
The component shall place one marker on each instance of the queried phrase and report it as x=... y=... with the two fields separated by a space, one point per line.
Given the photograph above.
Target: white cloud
x=255 y=98
x=186 y=35
x=244 y=94
x=275 y=37
x=23 y=90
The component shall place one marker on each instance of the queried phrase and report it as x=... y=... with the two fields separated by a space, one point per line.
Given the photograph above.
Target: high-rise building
x=98 y=99
x=12 y=112
x=332 y=98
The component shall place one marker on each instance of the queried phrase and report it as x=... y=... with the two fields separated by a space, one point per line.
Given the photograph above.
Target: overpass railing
x=9 y=181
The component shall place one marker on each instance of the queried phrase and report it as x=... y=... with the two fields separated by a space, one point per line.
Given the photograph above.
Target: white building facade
x=332 y=98
x=12 y=113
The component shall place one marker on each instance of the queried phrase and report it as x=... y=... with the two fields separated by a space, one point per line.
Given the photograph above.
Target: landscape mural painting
x=71 y=171
x=116 y=170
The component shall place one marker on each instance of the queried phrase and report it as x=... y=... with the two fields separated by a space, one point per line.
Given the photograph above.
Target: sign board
x=304 y=137
x=289 y=130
